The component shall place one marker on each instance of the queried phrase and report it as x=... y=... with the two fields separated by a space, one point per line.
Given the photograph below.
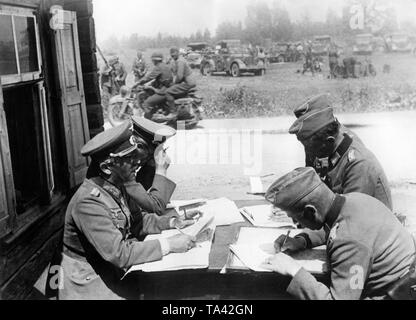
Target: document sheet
x=195 y=258
x=255 y=245
x=267 y=216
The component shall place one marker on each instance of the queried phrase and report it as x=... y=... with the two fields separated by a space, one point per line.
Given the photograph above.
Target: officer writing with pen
x=370 y=255
x=105 y=222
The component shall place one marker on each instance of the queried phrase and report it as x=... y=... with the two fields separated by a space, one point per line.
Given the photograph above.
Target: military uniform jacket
x=161 y=74
x=107 y=76
x=182 y=71
x=367 y=249
x=151 y=191
x=102 y=228
x=358 y=170
x=139 y=67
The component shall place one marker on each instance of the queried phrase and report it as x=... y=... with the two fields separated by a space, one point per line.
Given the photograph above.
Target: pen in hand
x=196 y=245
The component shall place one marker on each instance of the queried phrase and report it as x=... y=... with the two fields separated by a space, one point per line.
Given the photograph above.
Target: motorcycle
x=188 y=109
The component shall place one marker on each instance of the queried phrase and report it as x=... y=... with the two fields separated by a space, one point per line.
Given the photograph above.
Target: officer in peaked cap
x=363 y=239
x=104 y=222
x=337 y=155
x=152 y=189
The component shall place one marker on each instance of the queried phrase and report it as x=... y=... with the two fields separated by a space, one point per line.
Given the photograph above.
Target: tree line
x=265 y=24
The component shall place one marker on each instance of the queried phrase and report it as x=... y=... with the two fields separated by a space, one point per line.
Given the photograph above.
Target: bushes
x=243 y=101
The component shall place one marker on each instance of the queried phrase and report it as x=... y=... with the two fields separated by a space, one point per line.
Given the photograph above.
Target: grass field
x=282 y=88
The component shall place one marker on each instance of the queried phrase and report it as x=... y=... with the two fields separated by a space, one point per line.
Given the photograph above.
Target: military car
x=195 y=52
x=279 y=52
x=398 y=42
x=363 y=44
x=232 y=58
x=320 y=45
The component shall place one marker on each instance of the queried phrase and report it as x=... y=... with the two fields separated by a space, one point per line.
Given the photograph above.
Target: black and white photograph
x=207 y=150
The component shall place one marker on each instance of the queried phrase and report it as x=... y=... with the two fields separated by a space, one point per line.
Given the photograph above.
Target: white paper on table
x=266 y=216
x=256 y=185
x=224 y=210
x=255 y=245
x=196 y=258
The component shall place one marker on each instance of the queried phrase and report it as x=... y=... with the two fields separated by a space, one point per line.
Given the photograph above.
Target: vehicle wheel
x=116 y=117
x=235 y=70
x=280 y=59
x=206 y=69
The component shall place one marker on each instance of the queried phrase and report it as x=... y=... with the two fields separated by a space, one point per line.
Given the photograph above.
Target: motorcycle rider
x=162 y=78
x=183 y=80
x=139 y=67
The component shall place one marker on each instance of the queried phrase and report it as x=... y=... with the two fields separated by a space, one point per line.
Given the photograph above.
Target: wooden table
x=209 y=283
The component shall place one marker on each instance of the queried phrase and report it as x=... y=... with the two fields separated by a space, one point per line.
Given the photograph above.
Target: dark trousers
x=332 y=66
x=350 y=67
x=151 y=104
x=176 y=91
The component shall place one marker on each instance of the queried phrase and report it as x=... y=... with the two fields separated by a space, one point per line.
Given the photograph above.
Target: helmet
x=113 y=60
x=157 y=56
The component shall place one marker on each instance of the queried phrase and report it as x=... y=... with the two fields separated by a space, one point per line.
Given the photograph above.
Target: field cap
x=288 y=190
x=152 y=132
x=117 y=141
x=318 y=102
x=174 y=49
x=157 y=56
x=312 y=122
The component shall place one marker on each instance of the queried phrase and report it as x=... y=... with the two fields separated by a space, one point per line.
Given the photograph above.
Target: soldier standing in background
x=121 y=75
x=107 y=80
x=333 y=59
x=139 y=67
x=349 y=65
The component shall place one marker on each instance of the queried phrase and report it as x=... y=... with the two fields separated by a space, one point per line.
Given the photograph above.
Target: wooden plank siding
x=27 y=250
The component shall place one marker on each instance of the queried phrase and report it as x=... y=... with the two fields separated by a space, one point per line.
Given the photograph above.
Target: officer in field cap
x=105 y=220
x=162 y=78
x=338 y=156
x=362 y=236
x=318 y=102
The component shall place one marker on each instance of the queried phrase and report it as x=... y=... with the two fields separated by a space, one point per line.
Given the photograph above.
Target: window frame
x=27 y=76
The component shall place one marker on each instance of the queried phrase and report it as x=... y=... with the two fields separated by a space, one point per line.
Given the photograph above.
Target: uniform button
x=88 y=278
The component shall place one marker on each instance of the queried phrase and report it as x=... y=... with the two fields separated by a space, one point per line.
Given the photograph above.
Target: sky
x=183 y=17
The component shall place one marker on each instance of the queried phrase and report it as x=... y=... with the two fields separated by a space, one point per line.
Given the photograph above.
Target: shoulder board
x=333 y=233
x=351 y=155
x=95 y=192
